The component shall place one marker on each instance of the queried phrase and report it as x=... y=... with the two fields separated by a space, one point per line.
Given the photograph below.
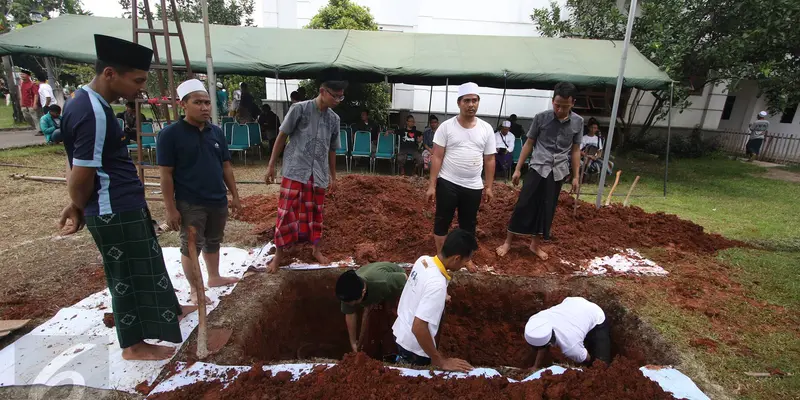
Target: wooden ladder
x=168 y=95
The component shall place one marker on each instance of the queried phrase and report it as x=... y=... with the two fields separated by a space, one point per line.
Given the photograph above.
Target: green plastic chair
x=344 y=149
x=255 y=136
x=385 y=149
x=240 y=140
x=228 y=128
x=362 y=146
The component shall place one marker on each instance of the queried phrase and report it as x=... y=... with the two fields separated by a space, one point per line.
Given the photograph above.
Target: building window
x=788 y=114
x=726 y=111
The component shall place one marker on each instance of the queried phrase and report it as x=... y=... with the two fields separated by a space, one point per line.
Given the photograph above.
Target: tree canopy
x=698 y=42
x=374 y=97
x=20 y=10
x=221 y=12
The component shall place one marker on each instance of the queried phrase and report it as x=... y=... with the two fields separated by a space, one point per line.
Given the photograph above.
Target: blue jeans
x=407 y=357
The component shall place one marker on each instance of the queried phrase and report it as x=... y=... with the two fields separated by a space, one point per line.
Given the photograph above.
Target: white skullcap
x=538 y=330
x=190 y=86
x=219 y=85
x=507 y=124
x=468 y=88
x=763 y=114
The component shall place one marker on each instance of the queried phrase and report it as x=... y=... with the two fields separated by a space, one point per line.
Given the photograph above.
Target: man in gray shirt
x=557 y=136
x=309 y=167
x=758 y=130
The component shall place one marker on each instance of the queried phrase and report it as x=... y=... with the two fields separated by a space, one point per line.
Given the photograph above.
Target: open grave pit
x=296 y=318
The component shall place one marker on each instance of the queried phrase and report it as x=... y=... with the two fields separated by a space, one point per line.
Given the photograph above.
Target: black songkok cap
x=123 y=53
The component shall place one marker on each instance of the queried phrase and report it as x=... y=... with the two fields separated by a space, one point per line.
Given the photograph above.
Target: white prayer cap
x=507 y=124
x=468 y=88
x=219 y=85
x=763 y=114
x=190 y=86
x=538 y=330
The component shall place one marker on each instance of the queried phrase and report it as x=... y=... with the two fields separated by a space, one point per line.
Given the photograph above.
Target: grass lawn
x=7 y=118
x=731 y=198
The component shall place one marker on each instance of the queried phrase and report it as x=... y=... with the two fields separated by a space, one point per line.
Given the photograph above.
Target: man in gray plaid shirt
x=309 y=167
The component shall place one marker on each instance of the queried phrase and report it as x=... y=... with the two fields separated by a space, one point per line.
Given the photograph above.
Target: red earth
x=358 y=376
x=386 y=218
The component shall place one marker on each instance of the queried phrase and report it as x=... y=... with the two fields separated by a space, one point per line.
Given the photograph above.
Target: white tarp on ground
x=670 y=379
x=625 y=261
x=75 y=347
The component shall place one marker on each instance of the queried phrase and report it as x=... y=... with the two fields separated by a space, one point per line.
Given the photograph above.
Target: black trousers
x=598 y=342
x=536 y=205
x=450 y=197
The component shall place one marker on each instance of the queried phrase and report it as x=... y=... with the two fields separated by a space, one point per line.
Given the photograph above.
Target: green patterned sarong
x=143 y=300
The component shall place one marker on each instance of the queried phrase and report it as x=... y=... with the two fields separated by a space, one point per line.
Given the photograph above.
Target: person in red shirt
x=29 y=99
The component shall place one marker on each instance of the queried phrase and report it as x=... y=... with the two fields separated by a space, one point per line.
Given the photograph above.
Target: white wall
x=705 y=109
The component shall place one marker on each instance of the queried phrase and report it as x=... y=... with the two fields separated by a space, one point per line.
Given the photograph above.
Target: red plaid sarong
x=299 y=213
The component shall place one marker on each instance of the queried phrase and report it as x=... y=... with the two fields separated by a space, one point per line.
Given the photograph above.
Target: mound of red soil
x=390 y=215
x=358 y=376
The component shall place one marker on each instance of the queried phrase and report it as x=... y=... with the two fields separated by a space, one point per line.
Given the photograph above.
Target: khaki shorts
x=209 y=223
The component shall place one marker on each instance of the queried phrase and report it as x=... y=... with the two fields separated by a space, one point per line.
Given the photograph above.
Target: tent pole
x=212 y=79
x=505 y=86
x=388 y=110
x=615 y=109
x=669 y=134
x=446 y=92
x=430 y=102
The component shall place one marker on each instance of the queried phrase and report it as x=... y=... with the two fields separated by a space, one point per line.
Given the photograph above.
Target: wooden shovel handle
x=611 y=192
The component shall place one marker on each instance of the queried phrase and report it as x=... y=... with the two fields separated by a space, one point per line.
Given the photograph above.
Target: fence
x=780 y=148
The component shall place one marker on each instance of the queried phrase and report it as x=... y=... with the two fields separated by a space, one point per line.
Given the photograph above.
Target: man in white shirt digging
x=422 y=302
x=577 y=326
x=463 y=146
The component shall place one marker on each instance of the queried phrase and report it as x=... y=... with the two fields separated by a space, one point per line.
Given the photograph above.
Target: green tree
x=696 y=42
x=220 y=12
x=344 y=14
x=20 y=10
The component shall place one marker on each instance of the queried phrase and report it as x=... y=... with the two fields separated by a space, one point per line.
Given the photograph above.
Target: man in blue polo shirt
x=107 y=196
x=196 y=174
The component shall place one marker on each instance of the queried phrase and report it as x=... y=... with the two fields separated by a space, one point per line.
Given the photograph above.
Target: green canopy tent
x=366 y=56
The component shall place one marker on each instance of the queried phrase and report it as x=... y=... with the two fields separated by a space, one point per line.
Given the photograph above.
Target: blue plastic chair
x=121 y=123
x=255 y=136
x=362 y=146
x=228 y=128
x=344 y=148
x=517 y=150
x=240 y=140
x=385 y=149
x=225 y=120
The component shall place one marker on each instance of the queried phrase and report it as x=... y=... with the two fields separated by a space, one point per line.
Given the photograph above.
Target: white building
x=714 y=107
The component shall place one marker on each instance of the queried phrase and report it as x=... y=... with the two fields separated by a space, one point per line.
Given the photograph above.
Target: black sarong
x=142 y=298
x=536 y=205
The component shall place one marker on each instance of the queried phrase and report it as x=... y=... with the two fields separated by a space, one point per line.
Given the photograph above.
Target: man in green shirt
x=369 y=286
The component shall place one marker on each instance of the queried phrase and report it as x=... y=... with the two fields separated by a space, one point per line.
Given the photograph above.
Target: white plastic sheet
x=75 y=347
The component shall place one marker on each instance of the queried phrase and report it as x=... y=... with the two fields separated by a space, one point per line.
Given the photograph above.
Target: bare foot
x=322 y=260
x=218 y=281
x=147 y=352
x=272 y=267
x=186 y=310
x=538 y=251
x=503 y=250
x=193 y=298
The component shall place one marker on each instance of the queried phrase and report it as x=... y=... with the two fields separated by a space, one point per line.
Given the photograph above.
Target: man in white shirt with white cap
x=577 y=326
x=463 y=146
x=196 y=174
x=505 y=147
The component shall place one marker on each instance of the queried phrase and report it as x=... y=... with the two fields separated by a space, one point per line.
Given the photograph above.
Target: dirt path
x=22 y=138
x=782 y=175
